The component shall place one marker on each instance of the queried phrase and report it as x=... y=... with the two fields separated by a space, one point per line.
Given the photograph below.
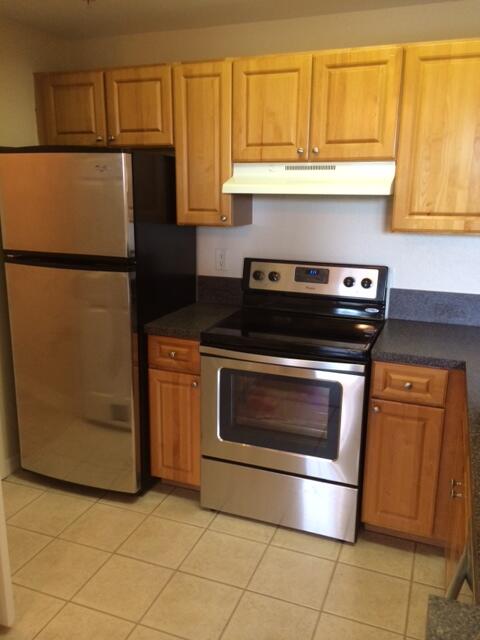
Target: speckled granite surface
x=190 y=321
x=451 y=347
x=449 y=620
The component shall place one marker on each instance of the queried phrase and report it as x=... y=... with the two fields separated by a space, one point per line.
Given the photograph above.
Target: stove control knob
x=274 y=276
x=366 y=283
x=349 y=281
x=258 y=275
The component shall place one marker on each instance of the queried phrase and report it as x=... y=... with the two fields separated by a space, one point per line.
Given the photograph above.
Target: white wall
x=344 y=230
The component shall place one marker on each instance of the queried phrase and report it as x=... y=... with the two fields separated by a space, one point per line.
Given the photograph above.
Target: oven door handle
x=341 y=367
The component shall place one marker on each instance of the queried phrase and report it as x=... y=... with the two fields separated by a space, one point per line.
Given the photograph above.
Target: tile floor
x=91 y=565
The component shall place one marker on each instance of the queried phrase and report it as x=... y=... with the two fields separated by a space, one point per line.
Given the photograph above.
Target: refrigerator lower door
x=75 y=376
x=77 y=203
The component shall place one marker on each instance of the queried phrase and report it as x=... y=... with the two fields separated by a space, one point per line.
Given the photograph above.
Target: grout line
x=334 y=570
x=409 y=597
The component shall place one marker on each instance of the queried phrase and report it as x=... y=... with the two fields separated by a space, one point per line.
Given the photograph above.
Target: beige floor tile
x=77 y=623
x=260 y=618
x=225 y=558
x=417 y=612
x=145 y=503
x=124 y=587
x=386 y=554
x=193 y=608
x=183 y=505
x=293 y=576
x=17 y=496
x=23 y=545
x=142 y=633
x=32 y=612
x=369 y=597
x=429 y=567
x=161 y=541
x=251 y=529
x=29 y=479
x=61 y=568
x=50 y=513
x=103 y=527
x=306 y=543
x=333 y=628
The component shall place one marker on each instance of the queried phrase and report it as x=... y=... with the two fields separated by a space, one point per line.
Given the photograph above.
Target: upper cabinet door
x=355 y=97
x=139 y=105
x=73 y=108
x=272 y=107
x=437 y=187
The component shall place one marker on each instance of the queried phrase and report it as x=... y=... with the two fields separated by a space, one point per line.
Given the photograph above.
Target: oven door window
x=283 y=413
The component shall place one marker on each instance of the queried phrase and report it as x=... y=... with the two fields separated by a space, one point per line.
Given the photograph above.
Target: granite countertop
x=449 y=620
x=189 y=322
x=447 y=346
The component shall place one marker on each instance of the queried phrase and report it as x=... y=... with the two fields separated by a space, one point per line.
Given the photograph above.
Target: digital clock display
x=315 y=275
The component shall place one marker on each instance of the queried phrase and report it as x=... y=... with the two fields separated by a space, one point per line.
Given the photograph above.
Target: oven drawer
x=173 y=354
x=405 y=383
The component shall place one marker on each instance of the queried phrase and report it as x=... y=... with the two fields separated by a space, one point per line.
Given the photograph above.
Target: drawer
x=406 y=383
x=173 y=354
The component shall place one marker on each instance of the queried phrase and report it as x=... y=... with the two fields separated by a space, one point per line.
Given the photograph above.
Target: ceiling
x=79 y=19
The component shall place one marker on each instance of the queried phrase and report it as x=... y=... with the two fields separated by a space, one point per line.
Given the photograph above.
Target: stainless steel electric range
x=283 y=394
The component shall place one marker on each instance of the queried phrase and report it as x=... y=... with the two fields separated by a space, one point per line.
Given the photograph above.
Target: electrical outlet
x=220 y=259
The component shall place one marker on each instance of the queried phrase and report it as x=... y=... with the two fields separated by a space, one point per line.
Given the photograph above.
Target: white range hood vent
x=313 y=178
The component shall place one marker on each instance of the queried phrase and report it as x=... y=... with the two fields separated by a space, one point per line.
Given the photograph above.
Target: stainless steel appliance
x=283 y=394
x=92 y=252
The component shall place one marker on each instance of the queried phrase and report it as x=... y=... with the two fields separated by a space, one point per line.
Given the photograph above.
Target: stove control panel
x=339 y=281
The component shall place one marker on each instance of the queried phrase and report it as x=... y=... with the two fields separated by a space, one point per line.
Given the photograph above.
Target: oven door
x=295 y=416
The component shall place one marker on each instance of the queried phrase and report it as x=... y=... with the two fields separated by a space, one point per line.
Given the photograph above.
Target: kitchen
x=318 y=229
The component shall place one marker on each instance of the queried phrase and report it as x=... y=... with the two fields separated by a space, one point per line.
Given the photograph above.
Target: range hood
x=313 y=178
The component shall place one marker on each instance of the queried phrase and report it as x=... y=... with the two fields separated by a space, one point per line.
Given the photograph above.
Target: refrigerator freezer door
x=75 y=375
x=71 y=203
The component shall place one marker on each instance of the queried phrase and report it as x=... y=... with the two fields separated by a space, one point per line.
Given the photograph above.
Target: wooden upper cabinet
x=437 y=187
x=203 y=124
x=355 y=98
x=402 y=467
x=272 y=108
x=139 y=105
x=72 y=108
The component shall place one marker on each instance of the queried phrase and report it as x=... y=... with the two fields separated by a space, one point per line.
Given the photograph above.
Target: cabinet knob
x=194 y=384
x=173 y=355
x=223 y=218
x=407 y=386
x=376 y=408
x=315 y=150
x=111 y=138
x=99 y=139
x=300 y=150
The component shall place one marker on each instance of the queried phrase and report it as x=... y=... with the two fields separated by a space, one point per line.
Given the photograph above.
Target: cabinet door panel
x=139 y=101
x=402 y=464
x=438 y=174
x=175 y=426
x=272 y=104
x=355 y=96
x=74 y=108
x=203 y=108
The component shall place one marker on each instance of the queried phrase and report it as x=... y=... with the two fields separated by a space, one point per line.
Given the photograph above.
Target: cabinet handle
x=173 y=355
x=111 y=138
x=194 y=384
x=407 y=386
x=99 y=139
x=376 y=408
x=315 y=150
x=223 y=218
x=300 y=150
x=453 y=486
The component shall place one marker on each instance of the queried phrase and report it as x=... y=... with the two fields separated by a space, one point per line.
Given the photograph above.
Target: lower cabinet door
x=402 y=465
x=175 y=426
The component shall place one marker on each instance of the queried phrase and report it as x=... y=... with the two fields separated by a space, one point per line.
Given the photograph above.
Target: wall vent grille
x=310 y=167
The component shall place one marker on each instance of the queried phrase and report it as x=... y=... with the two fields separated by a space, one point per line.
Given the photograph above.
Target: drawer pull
x=194 y=384
x=408 y=385
x=173 y=355
x=376 y=408
x=453 y=486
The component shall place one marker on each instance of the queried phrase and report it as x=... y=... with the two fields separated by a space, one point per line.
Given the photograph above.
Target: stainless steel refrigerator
x=92 y=253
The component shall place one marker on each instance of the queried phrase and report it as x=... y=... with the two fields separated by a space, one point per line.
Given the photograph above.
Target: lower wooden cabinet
x=175 y=426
